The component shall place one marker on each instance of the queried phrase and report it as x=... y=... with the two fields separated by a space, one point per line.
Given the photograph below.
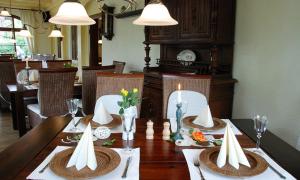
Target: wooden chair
x=55 y=87
x=89 y=85
x=112 y=83
x=58 y=63
x=197 y=83
x=119 y=66
x=20 y=65
x=7 y=75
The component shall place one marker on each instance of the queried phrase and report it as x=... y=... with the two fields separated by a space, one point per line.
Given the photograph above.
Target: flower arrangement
x=129 y=98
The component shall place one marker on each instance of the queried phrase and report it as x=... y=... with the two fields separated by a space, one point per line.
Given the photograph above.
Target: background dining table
x=20 y=91
x=158 y=159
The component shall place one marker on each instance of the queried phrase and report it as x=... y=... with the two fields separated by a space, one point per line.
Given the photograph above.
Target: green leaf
x=121 y=111
x=120 y=103
x=108 y=142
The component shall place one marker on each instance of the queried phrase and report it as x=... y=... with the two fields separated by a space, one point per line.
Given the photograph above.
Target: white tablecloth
x=132 y=174
x=269 y=174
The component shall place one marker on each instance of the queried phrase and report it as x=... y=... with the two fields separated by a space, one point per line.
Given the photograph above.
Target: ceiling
x=30 y=4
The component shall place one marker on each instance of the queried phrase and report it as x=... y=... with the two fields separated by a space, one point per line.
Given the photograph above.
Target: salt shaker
x=166 y=131
x=149 y=131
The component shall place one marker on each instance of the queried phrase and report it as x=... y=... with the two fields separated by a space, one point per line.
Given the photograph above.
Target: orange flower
x=198 y=136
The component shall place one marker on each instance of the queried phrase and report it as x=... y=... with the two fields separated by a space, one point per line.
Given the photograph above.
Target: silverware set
x=129 y=159
x=197 y=164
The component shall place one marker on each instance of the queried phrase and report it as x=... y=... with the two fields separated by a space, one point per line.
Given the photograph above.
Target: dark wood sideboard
x=207 y=28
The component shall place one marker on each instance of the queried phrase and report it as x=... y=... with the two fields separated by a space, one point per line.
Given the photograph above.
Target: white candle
x=179 y=94
x=27 y=66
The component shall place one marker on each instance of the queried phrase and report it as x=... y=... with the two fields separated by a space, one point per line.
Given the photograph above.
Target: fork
x=197 y=164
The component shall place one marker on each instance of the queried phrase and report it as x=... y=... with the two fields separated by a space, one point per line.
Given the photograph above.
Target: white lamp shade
x=55 y=33
x=155 y=14
x=25 y=33
x=4 y=13
x=71 y=13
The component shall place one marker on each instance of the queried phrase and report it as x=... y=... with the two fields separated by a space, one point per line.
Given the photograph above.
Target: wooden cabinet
x=200 y=21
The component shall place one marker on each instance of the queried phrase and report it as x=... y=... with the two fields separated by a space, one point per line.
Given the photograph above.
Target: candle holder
x=27 y=72
x=177 y=135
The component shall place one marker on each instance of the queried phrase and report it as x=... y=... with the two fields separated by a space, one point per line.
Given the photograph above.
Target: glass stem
x=127 y=141
x=258 y=141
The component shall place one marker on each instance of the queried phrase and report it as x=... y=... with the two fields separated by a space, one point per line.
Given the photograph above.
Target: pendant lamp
x=55 y=32
x=4 y=12
x=155 y=14
x=24 y=32
x=72 y=12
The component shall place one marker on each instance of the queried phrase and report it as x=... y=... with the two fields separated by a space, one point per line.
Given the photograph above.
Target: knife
x=78 y=122
x=124 y=175
x=277 y=172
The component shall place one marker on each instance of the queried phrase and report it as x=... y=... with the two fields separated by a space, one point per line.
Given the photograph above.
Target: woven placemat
x=218 y=124
x=107 y=161
x=117 y=121
x=209 y=157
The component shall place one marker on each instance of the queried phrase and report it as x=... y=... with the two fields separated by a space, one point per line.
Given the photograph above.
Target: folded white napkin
x=204 y=118
x=231 y=148
x=84 y=154
x=101 y=115
x=44 y=64
x=33 y=75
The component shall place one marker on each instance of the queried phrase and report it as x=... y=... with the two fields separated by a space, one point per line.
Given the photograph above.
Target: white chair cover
x=22 y=75
x=195 y=101
x=110 y=102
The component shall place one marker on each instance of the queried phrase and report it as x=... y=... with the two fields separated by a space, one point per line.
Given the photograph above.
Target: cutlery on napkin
x=232 y=150
x=204 y=118
x=84 y=153
x=101 y=115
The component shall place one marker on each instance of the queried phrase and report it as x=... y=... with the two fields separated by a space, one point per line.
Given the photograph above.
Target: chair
x=89 y=85
x=55 y=87
x=112 y=83
x=195 y=102
x=119 y=66
x=20 y=65
x=58 y=63
x=7 y=75
x=197 y=83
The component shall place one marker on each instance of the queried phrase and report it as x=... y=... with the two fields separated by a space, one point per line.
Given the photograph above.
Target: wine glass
x=260 y=126
x=127 y=128
x=73 y=108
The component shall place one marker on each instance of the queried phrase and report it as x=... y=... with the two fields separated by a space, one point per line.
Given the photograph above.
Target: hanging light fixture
x=72 y=12
x=5 y=12
x=155 y=14
x=55 y=32
x=24 y=32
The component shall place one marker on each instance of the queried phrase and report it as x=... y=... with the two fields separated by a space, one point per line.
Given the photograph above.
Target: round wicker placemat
x=107 y=161
x=117 y=121
x=258 y=164
x=218 y=124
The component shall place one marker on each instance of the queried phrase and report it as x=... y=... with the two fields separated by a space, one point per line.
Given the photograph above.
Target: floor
x=7 y=134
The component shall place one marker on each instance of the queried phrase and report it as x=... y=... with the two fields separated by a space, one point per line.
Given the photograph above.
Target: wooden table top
x=159 y=159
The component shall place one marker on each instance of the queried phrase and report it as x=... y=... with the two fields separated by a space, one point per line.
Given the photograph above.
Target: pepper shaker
x=166 y=131
x=149 y=131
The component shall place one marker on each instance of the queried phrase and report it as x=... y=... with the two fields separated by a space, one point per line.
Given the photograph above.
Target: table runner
x=190 y=154
x=132 y=174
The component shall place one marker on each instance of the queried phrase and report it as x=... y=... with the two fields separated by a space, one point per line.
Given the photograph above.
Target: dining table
x=18 y=94
x=159 y=159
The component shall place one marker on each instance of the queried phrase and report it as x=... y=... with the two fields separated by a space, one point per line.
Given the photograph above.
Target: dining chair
x=55 y=87
x=20 y=65
x=112 y=83
x=58 y=63
x=89 y=85
x=196 y=83
x=119 y=66
x=7 y=75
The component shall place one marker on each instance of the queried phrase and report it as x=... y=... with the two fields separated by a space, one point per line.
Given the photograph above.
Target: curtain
x=34 y=19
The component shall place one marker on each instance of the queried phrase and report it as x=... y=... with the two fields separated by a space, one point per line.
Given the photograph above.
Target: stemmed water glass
x=128 y=127
x=260 y=126
x=73 y=108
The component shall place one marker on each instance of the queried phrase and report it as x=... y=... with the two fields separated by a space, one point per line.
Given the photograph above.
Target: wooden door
x=197 y=20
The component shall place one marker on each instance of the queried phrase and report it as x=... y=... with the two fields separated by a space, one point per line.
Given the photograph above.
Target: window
x=10 y=41
x=74 y=42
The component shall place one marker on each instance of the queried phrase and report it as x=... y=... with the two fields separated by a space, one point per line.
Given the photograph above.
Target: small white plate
x=186 y=55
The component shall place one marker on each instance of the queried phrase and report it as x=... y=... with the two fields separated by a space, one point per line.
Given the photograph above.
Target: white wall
x=267 y=66
x=127 y=44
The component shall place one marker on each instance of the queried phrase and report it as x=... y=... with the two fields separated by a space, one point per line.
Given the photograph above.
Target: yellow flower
x=125 y=93
x=122 y=91
x=135 y=90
